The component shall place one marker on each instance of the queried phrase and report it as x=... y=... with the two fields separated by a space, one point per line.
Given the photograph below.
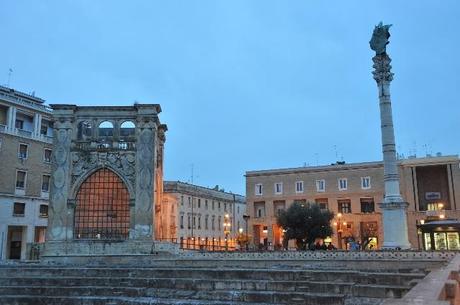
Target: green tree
x=304 y=223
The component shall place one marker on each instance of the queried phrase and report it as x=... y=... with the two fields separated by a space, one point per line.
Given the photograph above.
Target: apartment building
x=431 y=187
x=25 y=167
x=199 y=217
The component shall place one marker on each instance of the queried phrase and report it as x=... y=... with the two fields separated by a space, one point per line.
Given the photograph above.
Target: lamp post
x=227 y=226
x=246 y=219
x=338 y=223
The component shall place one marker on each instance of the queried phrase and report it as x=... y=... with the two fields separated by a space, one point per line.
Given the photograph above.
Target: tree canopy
x=305 y=222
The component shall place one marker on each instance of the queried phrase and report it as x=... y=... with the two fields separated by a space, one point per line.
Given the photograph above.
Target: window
x=218 y=205
x=19 y=124
x=258 y=189
x=21 y=179
x=199 y=222
x=344 y=206
x=299 y=187
x=194 y=222
x=365 y=182
x=213 y=204
x=199 y=203
x=105 y=129
x=181 y=221
x=259 y=209
x=182 y=200
x=189 y=202
x=127 y=128
x=206 y=204
x=225 y=206
x=279 y=206
x=188 y=222
x=43 y=210
x=43 y=129
x=322 y=202
x=206 y=220
x=367 y=205
x=47 y=155
x=46 y=183
x=343 y=184
x=238 y=209
x=22 y=153
x=213 y=223
x=278 y=188
x=320 y=185
x=19 y=209
x=219 y=223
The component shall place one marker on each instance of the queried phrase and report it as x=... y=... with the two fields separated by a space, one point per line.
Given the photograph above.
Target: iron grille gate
x=102 y=207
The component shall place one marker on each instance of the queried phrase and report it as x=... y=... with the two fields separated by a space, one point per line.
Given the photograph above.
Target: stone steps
x=359 y=290
x=93 y=285
x=32 y=300
x=267 y=297
x=380 y=278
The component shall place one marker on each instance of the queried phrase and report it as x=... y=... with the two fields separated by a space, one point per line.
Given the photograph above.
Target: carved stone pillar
x=145 y=156
x=393 y=206
x=60 y=218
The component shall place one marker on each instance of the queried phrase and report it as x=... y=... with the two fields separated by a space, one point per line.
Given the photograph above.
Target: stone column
x=393 y=206
x=143 y=214
x=11 y=119
x=60 y=218
x=37 y=124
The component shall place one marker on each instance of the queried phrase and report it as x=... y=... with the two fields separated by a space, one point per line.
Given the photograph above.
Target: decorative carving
x=382 y=72
x=380 y=38
x=87 y=161
x=58 y=204
x=145 y=157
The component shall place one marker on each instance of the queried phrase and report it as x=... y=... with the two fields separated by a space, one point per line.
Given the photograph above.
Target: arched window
x=106 y=129
x=127 y=128
x=102 y=207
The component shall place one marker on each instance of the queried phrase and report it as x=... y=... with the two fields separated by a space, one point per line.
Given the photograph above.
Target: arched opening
x=127 y=129
x=102 y=207
x=106 y=129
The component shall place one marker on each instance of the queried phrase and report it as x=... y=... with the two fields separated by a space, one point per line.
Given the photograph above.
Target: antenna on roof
x=10 y=71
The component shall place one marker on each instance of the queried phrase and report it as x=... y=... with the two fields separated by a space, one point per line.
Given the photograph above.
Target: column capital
x=382 y=73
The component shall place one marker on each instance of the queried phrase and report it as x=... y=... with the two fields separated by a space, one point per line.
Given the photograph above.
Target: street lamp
x=246 y=219
x=227 y=225
x=338 y=223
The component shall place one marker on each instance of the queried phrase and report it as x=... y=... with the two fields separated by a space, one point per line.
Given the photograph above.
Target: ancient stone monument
x=107 y=165
x=393 y=205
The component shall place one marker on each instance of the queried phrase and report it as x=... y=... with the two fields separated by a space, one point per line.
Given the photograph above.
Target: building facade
x=25 y=156
x=431 y=187
x=199 y=217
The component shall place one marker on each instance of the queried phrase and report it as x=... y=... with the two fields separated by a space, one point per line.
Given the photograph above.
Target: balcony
x=25 y=134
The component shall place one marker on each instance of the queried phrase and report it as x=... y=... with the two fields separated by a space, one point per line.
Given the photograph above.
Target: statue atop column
x=393 y=205
x=380 y=38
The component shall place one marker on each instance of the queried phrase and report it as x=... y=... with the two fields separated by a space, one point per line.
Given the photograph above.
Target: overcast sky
x=246 y=85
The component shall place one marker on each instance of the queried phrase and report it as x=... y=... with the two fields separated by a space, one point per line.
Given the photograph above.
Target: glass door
x=440 y=241
x=452 y=241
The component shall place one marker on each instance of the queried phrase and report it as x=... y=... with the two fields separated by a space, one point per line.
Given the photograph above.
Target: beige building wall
x=24 y=120
x=262 y=208
x=195 y=215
